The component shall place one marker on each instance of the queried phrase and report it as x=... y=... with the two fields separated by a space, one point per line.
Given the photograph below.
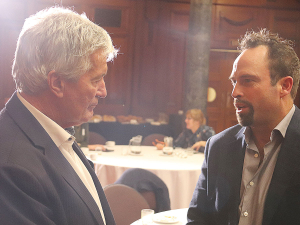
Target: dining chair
x=125 y=203
x=147 y=141
x=151 y=187
x=95 y=138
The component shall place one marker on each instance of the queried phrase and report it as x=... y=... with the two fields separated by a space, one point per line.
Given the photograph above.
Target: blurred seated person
x=196 y=133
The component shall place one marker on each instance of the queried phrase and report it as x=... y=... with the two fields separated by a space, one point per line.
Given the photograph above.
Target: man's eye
x=247 y=81
x=98 y=80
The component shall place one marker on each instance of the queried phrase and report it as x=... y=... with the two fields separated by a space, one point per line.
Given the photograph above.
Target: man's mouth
x=241 y=106
x=91 y=107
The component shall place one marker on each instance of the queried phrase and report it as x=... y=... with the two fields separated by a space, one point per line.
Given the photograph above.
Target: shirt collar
x=56 y=132
x=283 y=125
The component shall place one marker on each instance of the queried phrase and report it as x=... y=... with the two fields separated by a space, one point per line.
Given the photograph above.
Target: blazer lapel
x=71 y=177
x=287 y=164
x=105 y=205
x=235 y=158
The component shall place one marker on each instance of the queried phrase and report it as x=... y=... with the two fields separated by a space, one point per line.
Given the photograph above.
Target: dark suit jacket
x=217 y=195
x=37 y=184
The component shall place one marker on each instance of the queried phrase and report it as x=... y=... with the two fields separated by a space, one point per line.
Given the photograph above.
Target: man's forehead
x=250 y=59
x=234 y=68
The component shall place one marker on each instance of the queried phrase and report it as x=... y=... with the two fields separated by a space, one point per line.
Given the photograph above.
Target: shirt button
x=245 y=214
x=255 y=155
x=251 y=183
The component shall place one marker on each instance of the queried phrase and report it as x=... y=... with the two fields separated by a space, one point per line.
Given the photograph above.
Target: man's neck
x=43 y=102
x=261 y=133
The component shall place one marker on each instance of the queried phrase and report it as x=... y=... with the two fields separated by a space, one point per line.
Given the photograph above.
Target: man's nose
x=101 y=92
x=236 y=91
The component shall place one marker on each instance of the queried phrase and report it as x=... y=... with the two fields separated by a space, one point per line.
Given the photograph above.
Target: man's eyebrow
x=249 y=76
x=243 y=76
x=99 y=76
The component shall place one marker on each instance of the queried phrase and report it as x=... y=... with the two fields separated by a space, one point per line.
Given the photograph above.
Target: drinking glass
x=146 y=216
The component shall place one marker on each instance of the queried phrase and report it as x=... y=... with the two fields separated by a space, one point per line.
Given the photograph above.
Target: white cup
x=189 y=151
x=94 y=156
x=168 y=150
x=146 y=215
x=110 y=144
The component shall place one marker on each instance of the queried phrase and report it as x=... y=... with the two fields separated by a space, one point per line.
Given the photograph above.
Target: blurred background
x=147 y=81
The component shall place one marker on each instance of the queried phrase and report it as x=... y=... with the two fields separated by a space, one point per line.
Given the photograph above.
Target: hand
x=198 y=144
x=93 y=147
x=159 y=144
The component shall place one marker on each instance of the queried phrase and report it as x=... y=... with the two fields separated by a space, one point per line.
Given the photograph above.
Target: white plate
x=165 y=219
x=135 y=154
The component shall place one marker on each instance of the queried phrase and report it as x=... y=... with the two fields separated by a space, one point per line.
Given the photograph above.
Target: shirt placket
x=251 y=172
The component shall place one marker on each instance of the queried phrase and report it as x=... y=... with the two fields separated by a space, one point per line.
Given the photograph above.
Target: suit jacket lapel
x=105 y=206
x=71 y=177
x=287 y=164
x=235 y=158
x=42 y=140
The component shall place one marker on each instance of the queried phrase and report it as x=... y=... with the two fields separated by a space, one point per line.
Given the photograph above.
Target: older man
x=251 y=172
x=60 y=62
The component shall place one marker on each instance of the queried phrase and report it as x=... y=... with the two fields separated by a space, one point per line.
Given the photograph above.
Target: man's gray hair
x=57 y=39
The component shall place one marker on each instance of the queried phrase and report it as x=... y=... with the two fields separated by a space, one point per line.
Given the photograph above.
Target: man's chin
x=244 y=120
x=86 y=118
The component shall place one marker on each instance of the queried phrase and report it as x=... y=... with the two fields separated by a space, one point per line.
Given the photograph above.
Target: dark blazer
x=37 y=184
x=217 y=195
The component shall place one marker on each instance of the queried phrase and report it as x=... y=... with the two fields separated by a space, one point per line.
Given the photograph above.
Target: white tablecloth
x=181 y=215
x=179 y=174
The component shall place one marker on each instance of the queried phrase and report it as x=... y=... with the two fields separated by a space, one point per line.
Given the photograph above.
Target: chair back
x=95 y=138
x=144 y=182
x=147 y=141
x=125 y=203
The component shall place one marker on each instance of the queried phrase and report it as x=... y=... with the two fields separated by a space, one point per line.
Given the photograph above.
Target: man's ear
x=286 y=84
x=55 y=83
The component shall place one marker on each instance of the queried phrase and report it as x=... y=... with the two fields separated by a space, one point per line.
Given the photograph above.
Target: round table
x=179 y=174
x=181 y=215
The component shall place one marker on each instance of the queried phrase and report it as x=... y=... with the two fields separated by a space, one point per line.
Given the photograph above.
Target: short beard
x=246 y=119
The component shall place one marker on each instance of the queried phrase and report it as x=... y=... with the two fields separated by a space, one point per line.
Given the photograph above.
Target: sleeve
x=206 y=133
x=180 y=141
x=22 y=198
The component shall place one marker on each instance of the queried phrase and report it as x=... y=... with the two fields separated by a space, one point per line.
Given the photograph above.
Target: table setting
x=178 y=168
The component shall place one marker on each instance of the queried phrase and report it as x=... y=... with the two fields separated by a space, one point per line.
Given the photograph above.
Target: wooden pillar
x=198 y=48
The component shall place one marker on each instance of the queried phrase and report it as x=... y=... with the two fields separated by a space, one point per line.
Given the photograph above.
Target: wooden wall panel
x=146 y=79
x=231 y=22
x=175 y=53
x=282 y=4
x=240 y=2
x=291 y=4
x=160 y=59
